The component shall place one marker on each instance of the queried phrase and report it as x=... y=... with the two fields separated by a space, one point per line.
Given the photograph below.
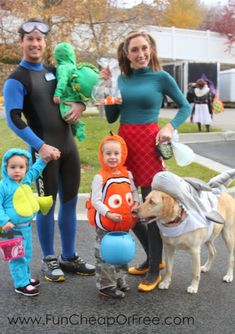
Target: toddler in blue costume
x=18 y=206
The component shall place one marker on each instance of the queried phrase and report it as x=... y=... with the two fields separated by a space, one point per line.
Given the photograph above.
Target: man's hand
x=75 y=113
x=56 y=99
x=48 y=153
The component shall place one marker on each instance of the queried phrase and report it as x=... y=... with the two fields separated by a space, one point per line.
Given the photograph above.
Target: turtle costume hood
x=64 y=53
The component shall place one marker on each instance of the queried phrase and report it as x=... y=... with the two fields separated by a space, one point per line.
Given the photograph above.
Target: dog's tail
x=222 y=180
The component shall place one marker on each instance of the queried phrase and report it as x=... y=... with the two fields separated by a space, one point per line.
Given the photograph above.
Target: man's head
x=32 y=39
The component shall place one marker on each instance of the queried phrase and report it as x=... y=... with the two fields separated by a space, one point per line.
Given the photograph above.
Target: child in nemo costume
x=113 y=197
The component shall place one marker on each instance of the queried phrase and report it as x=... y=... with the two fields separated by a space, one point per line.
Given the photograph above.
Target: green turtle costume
x=74 y=82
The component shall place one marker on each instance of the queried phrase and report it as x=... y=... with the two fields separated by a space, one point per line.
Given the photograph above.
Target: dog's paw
x=205 y=269
x=192 y=289
x=228 y=278
x=164 y=285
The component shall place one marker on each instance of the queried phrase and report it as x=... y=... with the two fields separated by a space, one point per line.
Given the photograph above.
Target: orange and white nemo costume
x=117 y=194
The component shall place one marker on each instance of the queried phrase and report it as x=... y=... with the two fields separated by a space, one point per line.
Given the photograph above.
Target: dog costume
x=197 y=198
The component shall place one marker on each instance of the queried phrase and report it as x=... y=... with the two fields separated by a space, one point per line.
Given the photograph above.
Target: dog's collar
x=178 y=218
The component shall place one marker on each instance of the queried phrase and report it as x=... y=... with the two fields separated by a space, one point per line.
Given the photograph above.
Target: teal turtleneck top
x=142 y=95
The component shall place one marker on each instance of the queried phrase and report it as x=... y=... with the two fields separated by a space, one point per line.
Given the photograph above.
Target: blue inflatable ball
x=117 y=248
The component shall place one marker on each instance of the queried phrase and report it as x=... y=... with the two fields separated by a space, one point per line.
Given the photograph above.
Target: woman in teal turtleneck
x=143 y=84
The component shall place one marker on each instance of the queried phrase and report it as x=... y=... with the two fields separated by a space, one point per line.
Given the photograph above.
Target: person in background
x=190 y=93
x=143 y=85
x=29 y=91
x=202 y=110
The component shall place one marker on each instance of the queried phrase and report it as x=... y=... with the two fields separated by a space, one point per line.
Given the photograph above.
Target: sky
x=131 y=3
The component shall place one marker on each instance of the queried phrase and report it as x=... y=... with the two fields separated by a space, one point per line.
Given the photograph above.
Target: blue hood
x=9 y=154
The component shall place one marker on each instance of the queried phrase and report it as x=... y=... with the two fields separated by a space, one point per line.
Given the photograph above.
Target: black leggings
x=150 y=239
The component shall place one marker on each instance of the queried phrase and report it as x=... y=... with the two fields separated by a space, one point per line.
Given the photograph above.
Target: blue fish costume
x=19 y=205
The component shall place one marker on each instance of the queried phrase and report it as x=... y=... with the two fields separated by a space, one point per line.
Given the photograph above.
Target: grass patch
x=97 y=128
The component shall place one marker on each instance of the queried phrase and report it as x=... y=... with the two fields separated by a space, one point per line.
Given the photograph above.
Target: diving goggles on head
x=28 y=27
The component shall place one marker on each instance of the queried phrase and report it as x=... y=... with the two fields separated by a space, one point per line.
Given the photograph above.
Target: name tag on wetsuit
x=49 y=76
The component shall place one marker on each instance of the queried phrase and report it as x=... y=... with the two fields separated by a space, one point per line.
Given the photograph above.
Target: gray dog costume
x=199 y=199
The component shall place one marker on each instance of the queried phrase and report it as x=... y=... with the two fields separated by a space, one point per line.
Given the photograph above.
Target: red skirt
x=142 y=160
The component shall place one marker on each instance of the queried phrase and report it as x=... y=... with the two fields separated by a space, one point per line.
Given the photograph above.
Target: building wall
x=192 y=45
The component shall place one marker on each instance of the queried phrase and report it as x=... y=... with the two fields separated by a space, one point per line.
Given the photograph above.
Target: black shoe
x=112 y=292
x=77 y=265
x=27 y=290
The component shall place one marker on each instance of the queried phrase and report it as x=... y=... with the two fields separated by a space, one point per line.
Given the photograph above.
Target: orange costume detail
x=116 y=193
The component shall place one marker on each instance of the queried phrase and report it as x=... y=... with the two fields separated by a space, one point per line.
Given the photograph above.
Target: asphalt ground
x=222 y=152
x=75 y=307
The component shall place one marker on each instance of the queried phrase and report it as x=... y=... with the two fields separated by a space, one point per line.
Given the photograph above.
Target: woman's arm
x=171 y=89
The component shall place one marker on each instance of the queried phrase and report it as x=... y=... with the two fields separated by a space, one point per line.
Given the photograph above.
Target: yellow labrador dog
x=190 y=213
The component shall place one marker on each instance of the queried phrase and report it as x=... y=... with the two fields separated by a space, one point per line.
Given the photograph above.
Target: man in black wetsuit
x=29 y=90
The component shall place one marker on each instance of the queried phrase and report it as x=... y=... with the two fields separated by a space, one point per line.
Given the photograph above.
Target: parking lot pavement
x=220 y=152
x=74 y=307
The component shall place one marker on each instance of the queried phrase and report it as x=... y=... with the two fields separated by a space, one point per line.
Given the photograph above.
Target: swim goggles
x=28 y=27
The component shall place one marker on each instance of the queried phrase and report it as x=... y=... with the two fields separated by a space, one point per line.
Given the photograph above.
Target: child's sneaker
x=34 y=282
x=112 y=292
x=27 y=290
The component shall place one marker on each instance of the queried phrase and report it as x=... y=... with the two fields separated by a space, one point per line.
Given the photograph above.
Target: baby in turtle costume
x=74 y=82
